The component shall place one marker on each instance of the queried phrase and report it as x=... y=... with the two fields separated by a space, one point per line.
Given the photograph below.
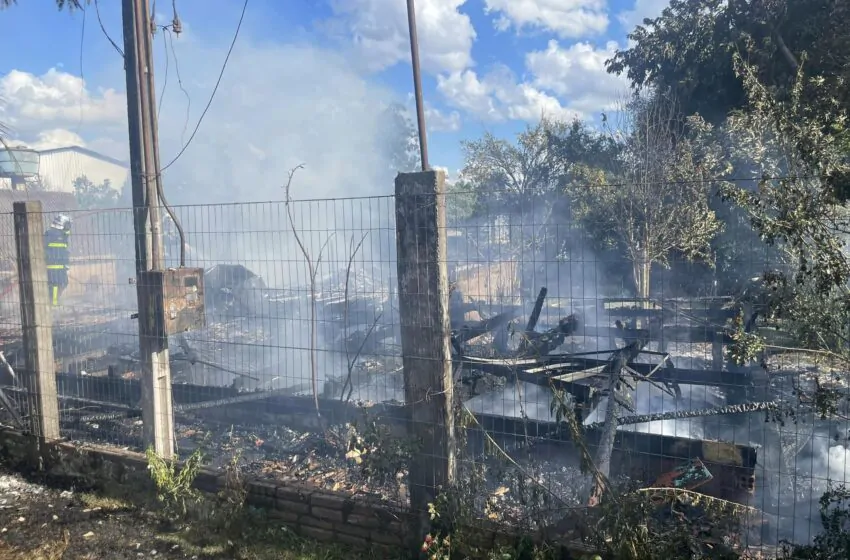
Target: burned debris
x=495 y=348
x=604 y=382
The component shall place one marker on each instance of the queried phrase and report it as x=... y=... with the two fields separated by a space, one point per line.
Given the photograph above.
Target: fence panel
x=302 y=311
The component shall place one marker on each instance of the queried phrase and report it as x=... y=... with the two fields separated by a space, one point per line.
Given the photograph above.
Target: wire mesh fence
x=559 y=348
x=299 y=373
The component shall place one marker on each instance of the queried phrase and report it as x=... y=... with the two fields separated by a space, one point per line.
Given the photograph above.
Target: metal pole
x=134 y=121
x=417 y=85
x=149 y=129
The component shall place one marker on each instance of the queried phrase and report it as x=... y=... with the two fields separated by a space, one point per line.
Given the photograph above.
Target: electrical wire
x=658 y=182
x=165 y=77
x=180 y=84
x=215 y=89
x=103 y=28
x=82 y=76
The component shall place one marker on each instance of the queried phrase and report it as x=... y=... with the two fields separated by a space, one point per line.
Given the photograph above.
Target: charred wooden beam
x=473 y=330
x=702 y=377
x=614 y=371
x=535 y=312
x=541 y=344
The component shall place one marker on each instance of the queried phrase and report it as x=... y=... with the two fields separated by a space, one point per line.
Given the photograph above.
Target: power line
x=165 y=78
x=82 y=76
x=714 y=180
x=215 y=89
x=180 y=83
x=103 y=28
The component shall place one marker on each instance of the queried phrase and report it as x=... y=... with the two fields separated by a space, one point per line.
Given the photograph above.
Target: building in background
x=58 y=168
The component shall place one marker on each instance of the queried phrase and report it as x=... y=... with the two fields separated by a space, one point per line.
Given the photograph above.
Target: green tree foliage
x=797 y=208
x=689 y=50
x=399 y=139
x=461 y=201
x=517 y=178
x=652 y=199
x=91 y=196
x=60 y=4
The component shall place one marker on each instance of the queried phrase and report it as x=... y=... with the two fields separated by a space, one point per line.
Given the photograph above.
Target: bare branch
x=312 y=271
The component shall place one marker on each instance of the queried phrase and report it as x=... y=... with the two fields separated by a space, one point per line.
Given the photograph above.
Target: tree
x=60 y=4
x=653 y=200
x=798 y=207
x=689 y=50
x=461 y=201
x=399 y=139
x=517 y=176
x=91 y=196
x=518 y=181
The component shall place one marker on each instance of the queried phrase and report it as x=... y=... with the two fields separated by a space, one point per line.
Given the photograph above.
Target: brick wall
x=316 y=513
x=319 y=514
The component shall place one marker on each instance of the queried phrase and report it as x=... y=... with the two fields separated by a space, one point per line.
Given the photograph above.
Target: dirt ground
x=41 y=523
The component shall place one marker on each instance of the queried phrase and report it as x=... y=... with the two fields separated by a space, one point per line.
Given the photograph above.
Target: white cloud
x=564 y=83
x=379 y=30
x=59 y=98
x=497 y=97
x=56 y=138
x=577 y=73
x=566 y=18
x=438 y=121
x=58 y=109
x=642 y=9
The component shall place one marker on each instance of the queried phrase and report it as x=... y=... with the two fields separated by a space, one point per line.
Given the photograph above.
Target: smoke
x=277 y=107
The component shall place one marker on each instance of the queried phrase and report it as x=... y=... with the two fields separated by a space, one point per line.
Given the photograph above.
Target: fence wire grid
x=302 y=307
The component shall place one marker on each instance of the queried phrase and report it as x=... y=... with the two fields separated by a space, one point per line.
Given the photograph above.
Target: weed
x=380 y=457
x=833 y=543
x=174 y=488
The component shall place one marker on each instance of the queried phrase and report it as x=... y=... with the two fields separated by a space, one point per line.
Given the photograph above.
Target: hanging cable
x=215 y=89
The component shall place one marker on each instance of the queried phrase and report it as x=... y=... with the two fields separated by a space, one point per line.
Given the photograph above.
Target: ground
x=42 y=523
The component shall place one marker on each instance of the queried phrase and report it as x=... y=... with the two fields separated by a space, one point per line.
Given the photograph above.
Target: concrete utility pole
x=157 y=413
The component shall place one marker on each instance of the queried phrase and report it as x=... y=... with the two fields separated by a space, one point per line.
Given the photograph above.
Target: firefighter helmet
x=61 y=222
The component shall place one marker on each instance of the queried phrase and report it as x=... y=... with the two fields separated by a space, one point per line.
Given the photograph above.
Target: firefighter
x=58 y=256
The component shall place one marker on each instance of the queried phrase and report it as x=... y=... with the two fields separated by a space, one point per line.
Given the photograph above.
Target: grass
x=105 y=503
x=52 y=550
x=280 y=544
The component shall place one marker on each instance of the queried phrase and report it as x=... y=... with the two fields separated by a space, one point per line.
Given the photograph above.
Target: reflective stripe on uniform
x=56 y=267
x=58 y=245
x=55 y=295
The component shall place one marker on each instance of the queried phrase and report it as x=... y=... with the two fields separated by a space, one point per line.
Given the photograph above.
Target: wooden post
x=425 y=334
x=39 y=375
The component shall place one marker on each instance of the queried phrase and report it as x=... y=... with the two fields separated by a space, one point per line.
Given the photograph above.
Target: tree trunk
x=641 y=268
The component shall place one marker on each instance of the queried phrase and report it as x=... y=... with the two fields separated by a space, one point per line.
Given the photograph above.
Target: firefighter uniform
x=58 y=256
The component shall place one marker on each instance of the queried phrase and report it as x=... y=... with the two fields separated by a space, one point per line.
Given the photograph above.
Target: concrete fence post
x=39 y=374
x=423 y=289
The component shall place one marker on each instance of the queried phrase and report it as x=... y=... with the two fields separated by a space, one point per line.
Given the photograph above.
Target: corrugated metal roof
x=87 y=152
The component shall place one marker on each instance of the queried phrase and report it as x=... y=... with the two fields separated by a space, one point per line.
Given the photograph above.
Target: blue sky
x=488 y=65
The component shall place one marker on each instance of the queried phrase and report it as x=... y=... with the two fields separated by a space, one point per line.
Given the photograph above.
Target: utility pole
x=157 y=413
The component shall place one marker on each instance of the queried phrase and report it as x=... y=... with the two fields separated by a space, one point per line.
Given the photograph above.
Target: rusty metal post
x=417 y=85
